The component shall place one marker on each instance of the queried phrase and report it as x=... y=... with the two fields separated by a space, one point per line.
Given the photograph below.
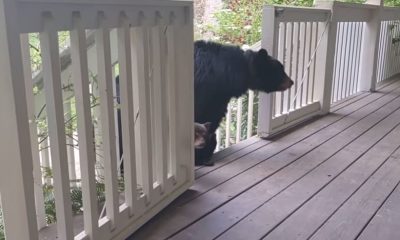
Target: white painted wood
x=37 y=171
x=239 y=119
x=301 y=14
x=289 y=63
x=369 y=51
x=160 y=117
x=308 y=56
x=127 y=114
x=351 y=12
x=314 y=63
x=104 y=76
x=171 y=78
x=142 y=91
x=303 y=35
x=347 y=45
x=182 y=138
x=250 y=110
x=185 y=100
x=218 y=136
x=268 y=42
x=281 y=49
x=85 y=128
x=324 y=65
x=55 y=113
x=228 y=125
x=295 y=65
x=17 y=199
x=299 y=66
x=390 y=13
x=293 y=116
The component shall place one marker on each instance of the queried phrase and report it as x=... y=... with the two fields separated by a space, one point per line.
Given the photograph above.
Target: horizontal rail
x=301 y=14
x=350 y=12
x=91 y=16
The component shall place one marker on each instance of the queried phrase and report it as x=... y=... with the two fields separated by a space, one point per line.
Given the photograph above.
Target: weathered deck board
x=349 y=220
x=278 y=178
x=310 y=216
x=385 y=225
x=268 y=209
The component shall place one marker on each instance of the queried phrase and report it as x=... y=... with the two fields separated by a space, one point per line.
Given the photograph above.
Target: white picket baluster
x=171 y=79
x=127 y=114
x=228 y=126
x=55 y=113
x=102 y=38
x=141 y=83
x=85 y=128
x=239 y=119
x=250 y=110
x=37 y=171
x=159 y=116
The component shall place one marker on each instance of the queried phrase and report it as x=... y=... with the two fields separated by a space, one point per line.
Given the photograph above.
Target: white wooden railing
x=331 y=53
x=389 y=50
x=155 y=59
x=238 y=124
x=322 y=51
x=346 y=73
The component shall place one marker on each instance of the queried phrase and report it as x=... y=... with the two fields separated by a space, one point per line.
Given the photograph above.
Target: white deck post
x=268 y=42
x=370 y=48
x=16 y=178
x=325 y=58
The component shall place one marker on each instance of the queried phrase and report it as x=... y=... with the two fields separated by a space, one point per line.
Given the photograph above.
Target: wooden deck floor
x=336 y=177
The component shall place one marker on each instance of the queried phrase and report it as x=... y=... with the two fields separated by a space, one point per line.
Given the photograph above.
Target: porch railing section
x=330 y=53
x=155 y=65
x=295 y=37
x=389 y=50
x=346 y=73
x=305 y=40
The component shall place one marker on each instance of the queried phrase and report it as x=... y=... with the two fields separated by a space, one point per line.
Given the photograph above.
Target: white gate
x=155 y=58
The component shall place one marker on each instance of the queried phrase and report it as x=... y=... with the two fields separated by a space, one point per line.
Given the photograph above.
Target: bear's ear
x=262 y=53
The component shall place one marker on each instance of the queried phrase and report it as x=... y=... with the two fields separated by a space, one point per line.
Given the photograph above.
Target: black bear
x=223 y=72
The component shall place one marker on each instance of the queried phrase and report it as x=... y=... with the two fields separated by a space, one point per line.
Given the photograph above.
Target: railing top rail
x=290 y=14
x=390 y=13
x=115 y=2
x=33 y=15
x=354 y=5
x=352 y=12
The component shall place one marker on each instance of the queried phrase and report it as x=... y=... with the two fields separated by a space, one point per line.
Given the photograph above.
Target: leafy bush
x=2 y=237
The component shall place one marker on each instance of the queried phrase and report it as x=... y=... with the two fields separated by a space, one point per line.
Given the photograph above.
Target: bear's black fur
x=223 y=72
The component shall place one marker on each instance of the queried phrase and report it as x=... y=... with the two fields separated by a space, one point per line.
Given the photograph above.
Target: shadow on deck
x=336 y=177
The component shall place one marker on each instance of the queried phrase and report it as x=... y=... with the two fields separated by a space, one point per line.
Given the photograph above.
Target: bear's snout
x=287 y=83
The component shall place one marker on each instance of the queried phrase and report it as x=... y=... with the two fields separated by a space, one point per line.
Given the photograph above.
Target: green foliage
x=2 y=236
x=392 y=3
x=239 y=22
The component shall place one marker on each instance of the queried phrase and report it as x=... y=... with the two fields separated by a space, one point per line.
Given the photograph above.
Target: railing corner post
x=325 y=58
x=268 y=42
x=370 y=48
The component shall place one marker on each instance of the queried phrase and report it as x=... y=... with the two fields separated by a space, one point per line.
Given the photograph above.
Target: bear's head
x=201 y=134
x=267 y=73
